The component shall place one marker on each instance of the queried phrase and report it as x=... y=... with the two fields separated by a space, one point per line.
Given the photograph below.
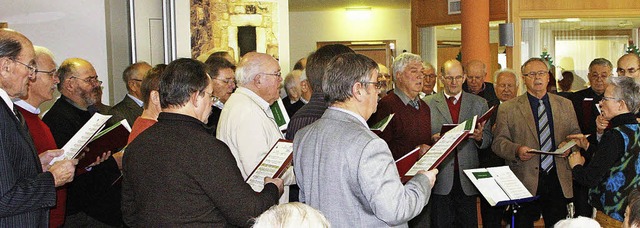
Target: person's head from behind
x=301 y=64
x=292 y=85
x=351 y=80
x=222 y=73
x=17 y=64
x=149 y=89
x=185 y=85
x=566 y=81
x=260 y=73
x=582 y=222
x=317 y=62
x=291 y=215
x=632 y=212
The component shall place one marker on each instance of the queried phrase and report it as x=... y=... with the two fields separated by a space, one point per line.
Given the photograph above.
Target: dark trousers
x=455 y=209
x=552 y=204
x=581 y=200
x=423 y=220
x=491 y=216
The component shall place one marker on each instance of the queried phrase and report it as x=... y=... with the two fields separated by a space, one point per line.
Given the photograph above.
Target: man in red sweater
x=410 y=127
x=40 y=90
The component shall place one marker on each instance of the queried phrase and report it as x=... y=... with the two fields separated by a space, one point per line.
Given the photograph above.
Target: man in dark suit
x=27 y=182
x=476 y=72
x=454 y=196
x=131 y=105
x=584 y=105
x=537 y=120
x=506 y=88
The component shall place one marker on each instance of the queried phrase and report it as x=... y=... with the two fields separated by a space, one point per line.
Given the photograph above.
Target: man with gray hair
x=27 y=189
x=246 y=123
x=429 y=81
x=131 y=105
x=345 y=170
x=293 y=101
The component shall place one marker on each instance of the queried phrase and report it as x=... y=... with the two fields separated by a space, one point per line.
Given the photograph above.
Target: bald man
x=246 y=123
x=629 y=65
x=476 y=72
x=454 y=196
x=27 y=189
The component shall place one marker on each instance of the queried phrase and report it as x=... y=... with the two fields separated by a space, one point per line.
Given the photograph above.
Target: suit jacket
x=347 y=172
x=467 y=150
x=515 y=127
x=128 y=109
x=26 y=193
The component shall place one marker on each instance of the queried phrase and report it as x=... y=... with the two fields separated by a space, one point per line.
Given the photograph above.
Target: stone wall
x=214 y=26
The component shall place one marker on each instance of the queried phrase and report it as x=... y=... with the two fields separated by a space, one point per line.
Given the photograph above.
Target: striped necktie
x=414 y=104
x=544 y=135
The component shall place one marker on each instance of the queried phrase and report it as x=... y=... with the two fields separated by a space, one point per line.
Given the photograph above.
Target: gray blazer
x=347 y=172
x=467 y=150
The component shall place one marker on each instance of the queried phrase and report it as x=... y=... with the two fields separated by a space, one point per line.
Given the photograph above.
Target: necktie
x=544 y=135
x=20 y=117
x=452 y=99
x=414 y=104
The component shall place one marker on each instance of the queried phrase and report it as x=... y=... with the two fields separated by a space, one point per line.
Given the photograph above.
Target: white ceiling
x=316 y=5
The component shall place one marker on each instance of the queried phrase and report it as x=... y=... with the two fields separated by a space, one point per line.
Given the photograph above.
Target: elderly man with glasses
x=222 y=73
x=246 y=123
x=454 y=195
x=79 y=87
x=537 y=120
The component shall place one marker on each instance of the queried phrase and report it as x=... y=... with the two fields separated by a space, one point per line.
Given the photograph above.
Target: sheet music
x=558 y=151
x=437 y=150
x=270 y=165
x=73 y=147
x=490 y=189
x=509 y=182
x=497 y=184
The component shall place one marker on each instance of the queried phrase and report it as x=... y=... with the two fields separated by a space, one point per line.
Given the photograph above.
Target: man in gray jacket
x=345 y=170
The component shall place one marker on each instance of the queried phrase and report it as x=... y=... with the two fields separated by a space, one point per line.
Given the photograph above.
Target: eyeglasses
x=624 y=71
x=90 y=80
x=50 y=73
x=604 y=98
x=226 y=81
x=31 y=67
x=378 y=84
x=534 y=74
x=597 y=76
x=211 y=96
x=279 y=74
x=432 y=76
x=450 y=78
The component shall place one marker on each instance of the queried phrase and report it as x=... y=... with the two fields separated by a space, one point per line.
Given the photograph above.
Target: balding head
x=79 y=81
x=476 y=72
x=260 y=73
x=629 y=65
x=17 y=64
x=452 y=77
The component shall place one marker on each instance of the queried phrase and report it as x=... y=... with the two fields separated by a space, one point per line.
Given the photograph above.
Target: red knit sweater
x=408 y=128
x=43 y=140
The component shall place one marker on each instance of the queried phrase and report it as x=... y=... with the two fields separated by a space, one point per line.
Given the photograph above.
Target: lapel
x=527 y=116
x=23 y=132
x=466 y=107
x=442 y=107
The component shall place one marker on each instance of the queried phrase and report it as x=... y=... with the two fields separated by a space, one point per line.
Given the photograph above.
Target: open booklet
x=405 y=163
x=499 y=185
x=382 y=124
x=439 y=151
x=471 y=123
x=280 y=114
x=72 y=149
x=113 y=139
x=273 y=165
x=558 y=151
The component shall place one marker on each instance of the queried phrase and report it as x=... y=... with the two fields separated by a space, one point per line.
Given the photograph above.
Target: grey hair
x=291 y=215
x=400 y=62
x=600 y=62
x=344 y=71
x=292 y=79
x=427 y=66
x=534 y=59
x=247 y=70
x=506 y=70
x=40 y=50
x=628 y=90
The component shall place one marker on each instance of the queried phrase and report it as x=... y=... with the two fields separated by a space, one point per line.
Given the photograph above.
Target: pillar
x=475 y=33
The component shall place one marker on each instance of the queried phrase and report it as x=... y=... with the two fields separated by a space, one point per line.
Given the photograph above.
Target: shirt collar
x=264 y=105
x=138 y=101
x=457 y=96
x=26 y=106
x=360 y=118
x=6 y=98
x=303 y=100
x=403 y=97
